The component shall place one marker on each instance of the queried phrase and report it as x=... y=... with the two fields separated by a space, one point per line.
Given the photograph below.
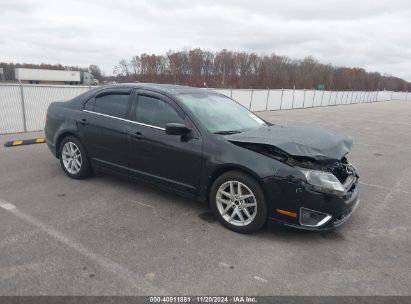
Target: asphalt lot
x=110 y=236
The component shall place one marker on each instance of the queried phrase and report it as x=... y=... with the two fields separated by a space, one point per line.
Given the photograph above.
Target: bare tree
x=244 y=70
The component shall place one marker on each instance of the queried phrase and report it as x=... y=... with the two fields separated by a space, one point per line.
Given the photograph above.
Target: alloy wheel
x=236 y=203
x=71 y=156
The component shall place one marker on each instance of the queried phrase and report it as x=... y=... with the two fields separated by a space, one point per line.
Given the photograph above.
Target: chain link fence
x=23 y=106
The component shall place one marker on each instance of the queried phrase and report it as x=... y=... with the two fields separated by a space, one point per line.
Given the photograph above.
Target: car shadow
x=151 y=190
x=271 y=230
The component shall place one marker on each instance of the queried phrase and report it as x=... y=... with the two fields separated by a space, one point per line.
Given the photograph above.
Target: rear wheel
x=73 y=158
x=238 y=202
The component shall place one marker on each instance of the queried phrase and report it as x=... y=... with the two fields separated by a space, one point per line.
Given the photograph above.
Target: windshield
x=220 y=114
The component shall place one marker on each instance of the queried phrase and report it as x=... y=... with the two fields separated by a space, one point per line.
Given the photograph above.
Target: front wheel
x=73 y=158
x=238 y=202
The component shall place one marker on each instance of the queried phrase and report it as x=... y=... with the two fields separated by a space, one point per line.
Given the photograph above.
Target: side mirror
x=177 y=129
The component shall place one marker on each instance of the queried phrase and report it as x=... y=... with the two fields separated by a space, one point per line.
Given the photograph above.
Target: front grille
x=340 y=170
x=343 y=217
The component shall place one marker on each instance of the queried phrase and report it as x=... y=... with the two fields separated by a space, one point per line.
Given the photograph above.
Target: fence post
x=23 y=107
x=231 y=92
x=268 y=95
x=281 y=102
x=251 y=101
x=292 y=105
x=322 y=97
x=304 y=100
x=312 y=105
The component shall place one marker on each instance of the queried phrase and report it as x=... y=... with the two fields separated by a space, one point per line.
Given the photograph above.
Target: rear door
x=154 y=156
x=103 y=127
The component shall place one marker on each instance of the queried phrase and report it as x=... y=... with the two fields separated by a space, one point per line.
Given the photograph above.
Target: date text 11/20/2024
x=203 y=299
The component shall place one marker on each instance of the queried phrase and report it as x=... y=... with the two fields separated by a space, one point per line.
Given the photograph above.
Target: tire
x=244 y=213
x=79 y=169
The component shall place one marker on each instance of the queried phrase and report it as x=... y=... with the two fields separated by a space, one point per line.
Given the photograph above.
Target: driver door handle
x=137 y=135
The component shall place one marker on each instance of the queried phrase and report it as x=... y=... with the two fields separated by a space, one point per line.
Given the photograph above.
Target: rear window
x=111 y=104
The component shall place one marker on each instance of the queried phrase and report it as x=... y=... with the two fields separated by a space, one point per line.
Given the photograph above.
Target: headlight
x=323 y=180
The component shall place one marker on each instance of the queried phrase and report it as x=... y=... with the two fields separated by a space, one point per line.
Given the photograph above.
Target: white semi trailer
x=47 y=76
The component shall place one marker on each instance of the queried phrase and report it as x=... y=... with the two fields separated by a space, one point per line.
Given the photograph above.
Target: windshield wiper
x=227 y=132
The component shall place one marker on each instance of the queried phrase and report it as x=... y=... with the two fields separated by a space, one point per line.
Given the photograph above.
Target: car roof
x=169 y=89
x=158 y=87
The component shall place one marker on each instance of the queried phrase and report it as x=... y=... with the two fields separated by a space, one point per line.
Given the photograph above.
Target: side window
x=155 y=112
x=112 y=104
x=89 y=104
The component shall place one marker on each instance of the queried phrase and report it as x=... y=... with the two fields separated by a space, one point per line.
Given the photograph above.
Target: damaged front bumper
x=293 y=204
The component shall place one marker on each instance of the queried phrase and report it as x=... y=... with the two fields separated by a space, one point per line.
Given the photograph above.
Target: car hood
x=317 y=144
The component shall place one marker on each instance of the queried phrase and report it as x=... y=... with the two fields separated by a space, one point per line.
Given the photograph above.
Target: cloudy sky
x=374 y=34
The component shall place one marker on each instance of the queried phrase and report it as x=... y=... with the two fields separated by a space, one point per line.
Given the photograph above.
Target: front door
x=154 y=156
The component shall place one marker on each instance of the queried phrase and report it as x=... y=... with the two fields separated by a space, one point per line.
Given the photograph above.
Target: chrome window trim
x=126 y=120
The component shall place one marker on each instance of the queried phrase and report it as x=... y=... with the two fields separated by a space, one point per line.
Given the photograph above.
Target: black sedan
x=206 y=146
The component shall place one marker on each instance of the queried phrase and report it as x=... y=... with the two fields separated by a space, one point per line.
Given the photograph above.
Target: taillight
x=47 y=116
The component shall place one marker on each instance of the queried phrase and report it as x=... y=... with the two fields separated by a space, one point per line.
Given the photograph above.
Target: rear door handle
x=137 y=135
